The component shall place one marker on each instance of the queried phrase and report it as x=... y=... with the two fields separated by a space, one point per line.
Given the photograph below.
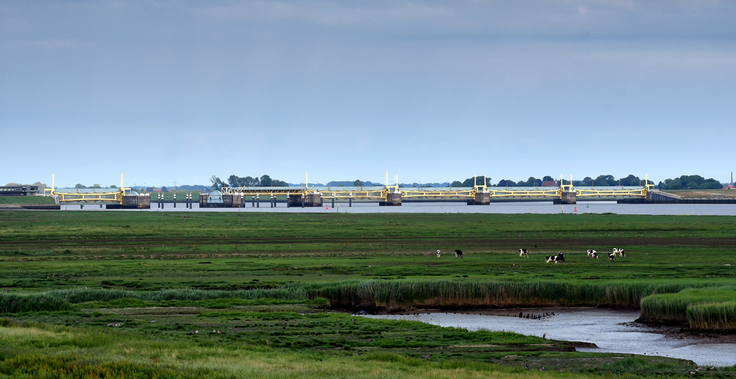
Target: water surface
x=612 y=330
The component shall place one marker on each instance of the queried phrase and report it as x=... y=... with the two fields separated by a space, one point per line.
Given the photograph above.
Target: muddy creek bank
x=611 y=330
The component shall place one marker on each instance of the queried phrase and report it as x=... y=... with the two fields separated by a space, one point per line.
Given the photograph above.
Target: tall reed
x=11 y=303
x=84 y=295
x=673 y=306
x=714 y=316
x=676 y=307
x=398 y=294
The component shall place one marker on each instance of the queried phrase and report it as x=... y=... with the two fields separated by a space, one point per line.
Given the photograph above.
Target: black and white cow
x=619 y=251
x=523 y=253
x=439 y=253
x=612 y=257
x=592 y=253
x=560 y=257
x=458 y=253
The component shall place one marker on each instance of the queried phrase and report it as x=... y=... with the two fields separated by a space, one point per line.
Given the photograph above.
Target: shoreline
x=670 y=330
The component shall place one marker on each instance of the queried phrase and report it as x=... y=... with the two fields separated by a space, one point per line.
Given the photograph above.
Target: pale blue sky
x=166 y=91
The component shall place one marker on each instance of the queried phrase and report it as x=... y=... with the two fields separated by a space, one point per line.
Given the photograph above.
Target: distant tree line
x=683 y=182
x=690 y=182
x=352 y=183
x=237 y=181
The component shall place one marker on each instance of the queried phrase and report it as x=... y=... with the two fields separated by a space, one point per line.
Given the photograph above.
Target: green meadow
x=236 y=294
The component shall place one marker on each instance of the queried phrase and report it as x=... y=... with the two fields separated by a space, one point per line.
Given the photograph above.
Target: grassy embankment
x=25 y=200
x=701 y=308
x=262 y=280
x=728 y=193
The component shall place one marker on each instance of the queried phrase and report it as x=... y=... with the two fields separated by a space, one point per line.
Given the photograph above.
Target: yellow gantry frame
x=86 y=197
x=381 y=193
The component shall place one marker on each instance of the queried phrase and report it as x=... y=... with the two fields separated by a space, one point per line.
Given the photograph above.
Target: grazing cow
x=523 y=253
x=619 y=251
x=612 y=257
x=592 y=253
x=458 y=253
x=439 y=253
x=550 y=258
x=560 y=257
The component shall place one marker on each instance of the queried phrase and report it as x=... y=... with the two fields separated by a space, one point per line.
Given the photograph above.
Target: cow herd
x=560 y=257
x=591 y=253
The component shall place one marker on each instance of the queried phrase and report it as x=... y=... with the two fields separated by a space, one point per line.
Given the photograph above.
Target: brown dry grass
x=704 y=193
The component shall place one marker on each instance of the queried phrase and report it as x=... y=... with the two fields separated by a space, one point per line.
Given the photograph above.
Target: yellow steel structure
x=86 y=197
x=381 y=193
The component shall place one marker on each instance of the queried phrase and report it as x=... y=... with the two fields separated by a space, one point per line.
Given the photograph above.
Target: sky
x=173 y=92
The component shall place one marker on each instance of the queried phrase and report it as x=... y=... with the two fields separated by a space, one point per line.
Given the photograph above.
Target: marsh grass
x=714 y=316
x=11 y=303
x=409 y=293
x=703 y=308
x=288 y=292
x=234 y=267
x=77 y=366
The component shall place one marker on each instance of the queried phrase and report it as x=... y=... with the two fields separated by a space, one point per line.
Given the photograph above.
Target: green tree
x=711 y=184
x=631 y=180
x=358 y=183
x=96 y=185
x=217 y=184
x=234 y=181
x=456 y=183
x=605 y=181
x=588 y=181
x=673 y=184
x=113 y=186
x=547 y=178
x=531 y=182
x=80 y=185
x=266 y=181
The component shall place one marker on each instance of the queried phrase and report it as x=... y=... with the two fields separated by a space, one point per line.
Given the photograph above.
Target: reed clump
x=289 y=292
x=703 y=308
x=12 y=303
x=405 y=294
x=713 y=316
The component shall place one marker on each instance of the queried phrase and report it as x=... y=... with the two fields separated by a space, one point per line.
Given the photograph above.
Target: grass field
x=25 y=200
x=258 y=290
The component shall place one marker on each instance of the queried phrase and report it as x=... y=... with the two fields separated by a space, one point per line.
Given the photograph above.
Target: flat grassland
x=208 y=294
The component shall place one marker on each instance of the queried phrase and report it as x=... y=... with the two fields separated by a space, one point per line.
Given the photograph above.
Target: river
x=612 y=330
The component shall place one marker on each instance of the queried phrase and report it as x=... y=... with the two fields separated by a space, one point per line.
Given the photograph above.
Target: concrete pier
x=231 y=201
x=481 y=198
x=132 y=202
x=393 y=199
x=567 y=198
x=312 y=200
x=294 y=201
